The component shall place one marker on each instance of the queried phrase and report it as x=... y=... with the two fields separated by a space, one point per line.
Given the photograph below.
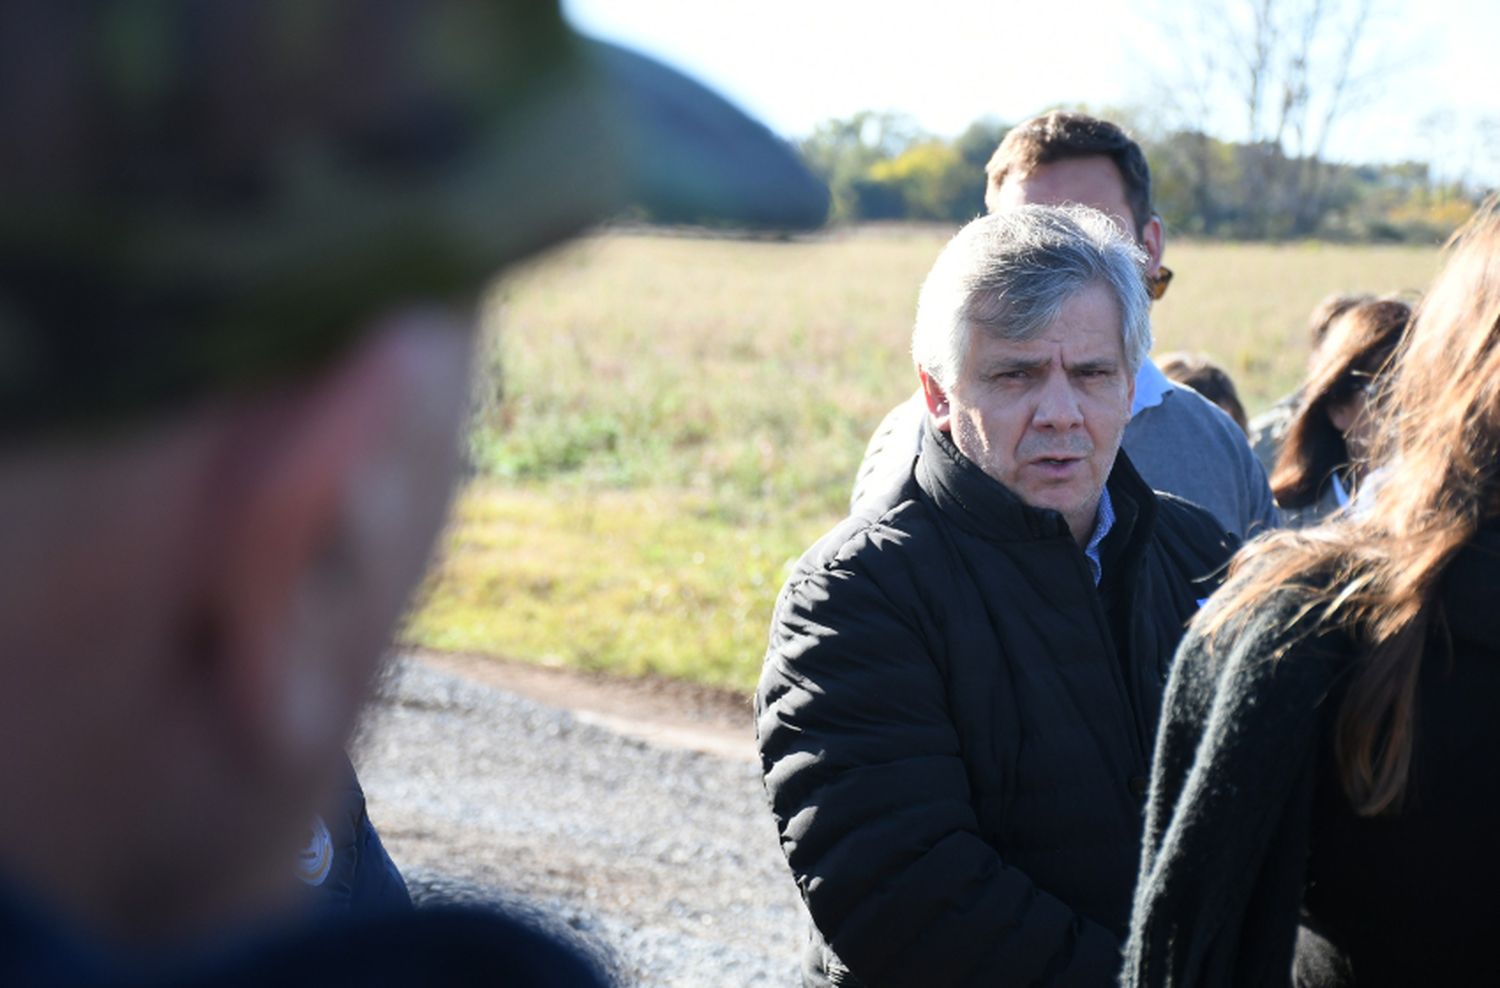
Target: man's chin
x=1069 y=503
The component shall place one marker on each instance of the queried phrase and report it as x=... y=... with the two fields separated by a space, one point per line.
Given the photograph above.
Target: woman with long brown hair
x=1326 y=793
x=1323 y=454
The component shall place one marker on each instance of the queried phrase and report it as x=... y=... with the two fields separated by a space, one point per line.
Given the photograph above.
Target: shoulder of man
x=865 y=580
x=1188 y=436
x=1196 y=412
x=874 y=535
x=889 y=454
x=1193 y=540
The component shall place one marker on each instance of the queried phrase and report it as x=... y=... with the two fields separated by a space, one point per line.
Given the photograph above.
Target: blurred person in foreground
x=1268 y=429
x=958 y=702
x=239 y=246
x=1197 y=371
x=1181 y=442
x=1326 y=790
x=1324 y=453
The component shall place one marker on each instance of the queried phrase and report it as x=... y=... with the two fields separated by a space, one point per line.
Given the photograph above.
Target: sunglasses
x=1361 y=382
x=1156 y=284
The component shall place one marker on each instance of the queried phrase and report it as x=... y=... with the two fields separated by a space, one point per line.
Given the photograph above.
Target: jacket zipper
x=1117 y=669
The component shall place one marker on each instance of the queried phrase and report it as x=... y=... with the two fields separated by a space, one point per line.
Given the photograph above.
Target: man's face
x=1093 y=181
x=1045 y=416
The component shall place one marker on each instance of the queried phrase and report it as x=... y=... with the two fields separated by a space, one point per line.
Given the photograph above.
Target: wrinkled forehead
x=1087 y=327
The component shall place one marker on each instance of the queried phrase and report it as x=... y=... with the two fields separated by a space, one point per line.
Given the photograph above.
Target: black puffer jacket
x=954 y=748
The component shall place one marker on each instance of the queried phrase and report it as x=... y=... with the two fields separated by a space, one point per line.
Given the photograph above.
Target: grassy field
x=665 y=423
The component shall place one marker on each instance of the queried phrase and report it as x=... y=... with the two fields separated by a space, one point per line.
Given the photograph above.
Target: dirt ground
x=712 y=720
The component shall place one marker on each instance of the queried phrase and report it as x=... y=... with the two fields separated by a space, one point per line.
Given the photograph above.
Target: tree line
x=880 y=166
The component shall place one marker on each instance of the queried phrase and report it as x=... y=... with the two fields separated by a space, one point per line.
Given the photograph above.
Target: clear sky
x=948 y=62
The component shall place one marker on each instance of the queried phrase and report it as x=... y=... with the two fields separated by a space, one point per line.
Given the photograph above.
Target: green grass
x=623 y=581
x=665 y=423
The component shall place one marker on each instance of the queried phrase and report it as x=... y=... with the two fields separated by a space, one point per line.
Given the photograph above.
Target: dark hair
x=1327 y=311
x=1208 y=379
x=1358 y=346
x=1061 y=135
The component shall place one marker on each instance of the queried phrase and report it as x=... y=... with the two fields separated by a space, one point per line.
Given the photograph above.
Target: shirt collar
x=1103 y=522
x=1339 y=494
x=1151 y=386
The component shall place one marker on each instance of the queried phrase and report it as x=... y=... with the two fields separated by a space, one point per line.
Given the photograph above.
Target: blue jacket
x=346 y=862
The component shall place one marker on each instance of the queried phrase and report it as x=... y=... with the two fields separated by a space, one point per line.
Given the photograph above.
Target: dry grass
x=1246 y=305
x=665 y=423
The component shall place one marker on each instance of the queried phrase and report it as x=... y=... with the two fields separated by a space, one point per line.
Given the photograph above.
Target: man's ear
x=1153 y=241
x=937 y=400
x=296 y=452
x=336 y=488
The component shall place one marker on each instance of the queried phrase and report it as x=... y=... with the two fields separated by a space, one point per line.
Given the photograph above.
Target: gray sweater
x=1184 y=445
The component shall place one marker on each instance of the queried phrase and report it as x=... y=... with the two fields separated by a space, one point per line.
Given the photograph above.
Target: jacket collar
x=982 y=505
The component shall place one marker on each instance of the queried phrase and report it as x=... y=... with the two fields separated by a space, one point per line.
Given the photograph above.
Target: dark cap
x=196 y=194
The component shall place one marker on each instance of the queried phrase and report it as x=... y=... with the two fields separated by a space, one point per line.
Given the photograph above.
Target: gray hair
x=1010 y=272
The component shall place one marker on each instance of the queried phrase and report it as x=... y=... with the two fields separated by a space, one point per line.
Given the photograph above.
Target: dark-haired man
x=239 y=243
x=1180 y=442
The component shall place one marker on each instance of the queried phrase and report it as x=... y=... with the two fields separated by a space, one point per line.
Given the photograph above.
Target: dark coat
x=360 y=876
x=955 y=742
x=1256 y=869
x=436 y=947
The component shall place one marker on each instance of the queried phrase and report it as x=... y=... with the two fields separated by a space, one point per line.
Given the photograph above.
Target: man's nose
x=1057 y=405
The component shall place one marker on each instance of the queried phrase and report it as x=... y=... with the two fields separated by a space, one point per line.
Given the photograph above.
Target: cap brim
x=292 y=204
x=691 y=156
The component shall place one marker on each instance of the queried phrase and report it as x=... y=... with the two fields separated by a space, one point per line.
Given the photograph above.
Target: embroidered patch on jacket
x=316 y=859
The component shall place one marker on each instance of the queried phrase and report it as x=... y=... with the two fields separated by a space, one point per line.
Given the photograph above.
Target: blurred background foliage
x=880 y=166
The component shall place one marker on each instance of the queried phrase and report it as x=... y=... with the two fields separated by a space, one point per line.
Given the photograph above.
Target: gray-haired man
x=958 y=704
x=1180 y=441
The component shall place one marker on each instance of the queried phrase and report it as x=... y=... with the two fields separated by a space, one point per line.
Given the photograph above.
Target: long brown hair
x=1358 y=346
x=1375 y=571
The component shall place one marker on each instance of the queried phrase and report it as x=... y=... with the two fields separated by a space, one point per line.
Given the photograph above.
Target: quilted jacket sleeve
x=867 y=785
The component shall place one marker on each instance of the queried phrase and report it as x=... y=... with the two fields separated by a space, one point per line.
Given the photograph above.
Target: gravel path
x=666 y=859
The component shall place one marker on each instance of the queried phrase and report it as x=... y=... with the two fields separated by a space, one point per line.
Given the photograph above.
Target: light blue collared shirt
x=1103 y=522
x=1151 y=386
x=1339 y=494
